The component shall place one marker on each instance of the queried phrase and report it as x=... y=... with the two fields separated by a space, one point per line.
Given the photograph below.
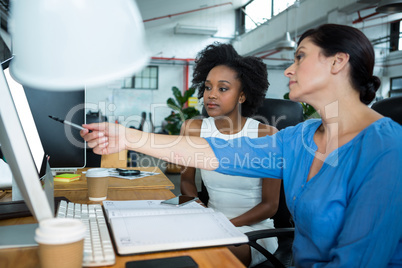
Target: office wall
x=278 y=84
x=127 y=105
x=311 y=13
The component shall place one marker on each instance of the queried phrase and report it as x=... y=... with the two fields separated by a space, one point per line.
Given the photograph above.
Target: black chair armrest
x=278 y=232
x=255 y=235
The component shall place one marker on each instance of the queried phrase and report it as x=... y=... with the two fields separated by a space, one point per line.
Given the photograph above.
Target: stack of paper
x=67 y=177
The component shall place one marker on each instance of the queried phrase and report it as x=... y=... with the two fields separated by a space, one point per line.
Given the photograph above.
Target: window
x=396 y=87
x=147 y=79
x=395 y=36
x=257 y=12
x=281 y=5
x=400 y=36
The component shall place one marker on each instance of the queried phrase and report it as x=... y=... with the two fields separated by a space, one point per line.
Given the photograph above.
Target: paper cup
x=61 y=242
x=97 y=182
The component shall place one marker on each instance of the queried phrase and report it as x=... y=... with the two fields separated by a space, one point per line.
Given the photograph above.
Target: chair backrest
x=280 y=114
x=390 y=107
x=143 y=117
x=94 y=160
x=151 y=124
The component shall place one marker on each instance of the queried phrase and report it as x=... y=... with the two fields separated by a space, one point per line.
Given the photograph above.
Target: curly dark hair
x=251 y=72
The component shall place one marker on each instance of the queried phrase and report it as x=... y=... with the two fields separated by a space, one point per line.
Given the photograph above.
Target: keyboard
x=98 y=248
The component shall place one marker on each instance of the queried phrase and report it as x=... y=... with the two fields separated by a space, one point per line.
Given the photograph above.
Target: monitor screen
x=23 y=152
x=27 y=122
x=62 y=143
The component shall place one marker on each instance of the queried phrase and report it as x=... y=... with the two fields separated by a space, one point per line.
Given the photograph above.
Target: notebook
x=145 y=226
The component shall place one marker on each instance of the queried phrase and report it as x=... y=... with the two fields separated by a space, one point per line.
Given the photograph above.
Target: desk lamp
x=70 y=44
x=64 y=45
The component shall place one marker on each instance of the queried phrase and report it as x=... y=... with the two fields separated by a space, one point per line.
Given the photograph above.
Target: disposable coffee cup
x=97 y=182
x=61 y=242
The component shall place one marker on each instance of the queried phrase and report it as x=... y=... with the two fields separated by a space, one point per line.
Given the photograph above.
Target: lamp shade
x=67 y=45
x=389 y=6
x=287 y=44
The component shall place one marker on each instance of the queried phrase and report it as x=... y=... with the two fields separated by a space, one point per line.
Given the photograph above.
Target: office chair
x=284 y=231
x=132 y=155
x=390 y=107
x=143 y=117
x=92 y=159
x=151 y=124
x=142 y=122
x=153 y=128
x=279 y=113
x=203 y=193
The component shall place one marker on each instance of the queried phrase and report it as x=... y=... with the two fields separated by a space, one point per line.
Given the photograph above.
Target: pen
x=67 y=122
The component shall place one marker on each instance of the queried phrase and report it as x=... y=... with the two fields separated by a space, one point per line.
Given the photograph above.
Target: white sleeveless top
x=232 y=195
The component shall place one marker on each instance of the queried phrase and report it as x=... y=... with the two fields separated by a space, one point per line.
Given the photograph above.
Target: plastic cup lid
x=60 y=231
x=97 y=172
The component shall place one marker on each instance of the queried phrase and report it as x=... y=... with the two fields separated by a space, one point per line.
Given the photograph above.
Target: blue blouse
x=350 y=213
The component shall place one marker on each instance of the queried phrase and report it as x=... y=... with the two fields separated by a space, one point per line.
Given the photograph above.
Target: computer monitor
x=64 y=145
x=22 y=149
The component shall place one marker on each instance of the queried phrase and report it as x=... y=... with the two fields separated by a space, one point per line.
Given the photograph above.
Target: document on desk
x=147 y=226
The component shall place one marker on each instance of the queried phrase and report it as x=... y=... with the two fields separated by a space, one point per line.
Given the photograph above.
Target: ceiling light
x=287 y=44
x=189 y=29
x=389 y=6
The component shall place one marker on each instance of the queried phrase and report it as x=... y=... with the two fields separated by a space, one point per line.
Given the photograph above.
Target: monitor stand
x=22 y=235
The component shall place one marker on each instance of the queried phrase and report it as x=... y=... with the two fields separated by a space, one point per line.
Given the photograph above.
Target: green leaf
x=173 y=129
x=181 y=114
x=190 y=112
x=188 y=93
x=173 y=105
x=178 y=96
x=309 y=111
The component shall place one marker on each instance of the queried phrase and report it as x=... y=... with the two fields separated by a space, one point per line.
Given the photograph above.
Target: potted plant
x=179 y=114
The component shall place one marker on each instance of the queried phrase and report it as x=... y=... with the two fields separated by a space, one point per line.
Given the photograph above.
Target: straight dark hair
x=334 y=38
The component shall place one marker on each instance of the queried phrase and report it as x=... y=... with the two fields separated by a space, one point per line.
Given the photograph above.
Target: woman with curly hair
x=233 y=87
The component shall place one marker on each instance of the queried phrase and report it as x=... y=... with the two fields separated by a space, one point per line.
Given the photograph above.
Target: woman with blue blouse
x=342 y=173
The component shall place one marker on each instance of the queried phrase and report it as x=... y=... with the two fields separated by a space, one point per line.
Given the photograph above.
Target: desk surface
x=205 y=257
x=159 y=181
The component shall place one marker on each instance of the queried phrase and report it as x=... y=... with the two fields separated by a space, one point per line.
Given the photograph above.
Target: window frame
x=395 y=36
x=241 y=14
x=142 y=80
x=396 y=91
